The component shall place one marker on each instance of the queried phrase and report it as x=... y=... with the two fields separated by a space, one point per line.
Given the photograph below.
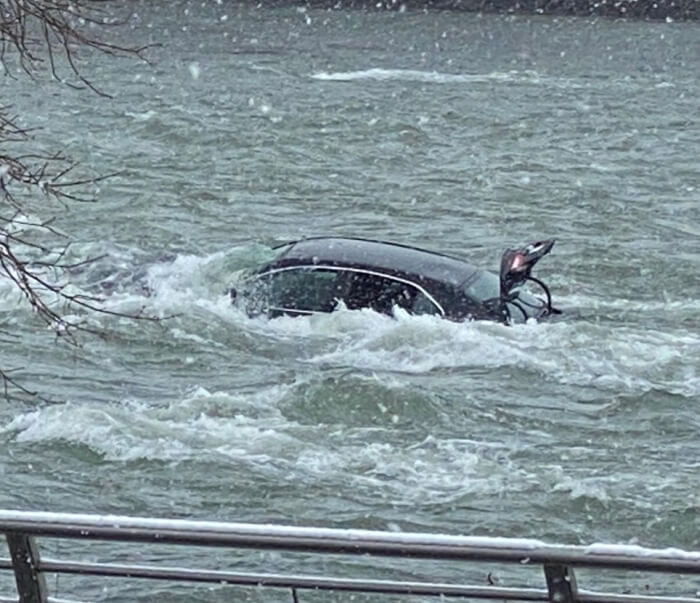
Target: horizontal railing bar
x=290 y=581
x=50 y=600
x=344 y=584
x=324 y=583
x=333 y=540
x=587 y=596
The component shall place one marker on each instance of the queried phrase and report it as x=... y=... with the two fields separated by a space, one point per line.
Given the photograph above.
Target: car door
x=376 y=292
x=382 y=293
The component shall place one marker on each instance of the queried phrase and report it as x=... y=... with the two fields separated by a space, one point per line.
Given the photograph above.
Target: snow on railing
x=23 y=529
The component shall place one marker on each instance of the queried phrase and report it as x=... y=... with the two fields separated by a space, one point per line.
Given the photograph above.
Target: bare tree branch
x=48 y=35
x=32 y=29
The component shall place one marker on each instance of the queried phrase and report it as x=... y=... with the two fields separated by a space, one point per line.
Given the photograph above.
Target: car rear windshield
x=482 y=286
x=485 y=286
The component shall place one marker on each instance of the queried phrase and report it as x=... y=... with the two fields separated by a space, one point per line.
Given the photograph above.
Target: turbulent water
x=457 y=132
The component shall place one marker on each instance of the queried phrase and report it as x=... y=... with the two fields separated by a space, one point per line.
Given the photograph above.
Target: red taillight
x=518 y=261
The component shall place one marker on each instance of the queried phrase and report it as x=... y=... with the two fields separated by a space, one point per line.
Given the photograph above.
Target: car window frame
x=405 y=281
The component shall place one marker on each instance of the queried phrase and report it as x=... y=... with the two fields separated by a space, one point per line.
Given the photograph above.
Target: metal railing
x=23 y=530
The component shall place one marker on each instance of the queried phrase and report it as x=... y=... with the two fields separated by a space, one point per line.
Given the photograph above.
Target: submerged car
x=321 y=274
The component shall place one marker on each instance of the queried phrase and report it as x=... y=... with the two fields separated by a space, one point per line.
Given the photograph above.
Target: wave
x=218 y=424
x=512 y=77
x=609 y=356
x=432 y=77
x=249 y=433
x=606 y=355
x=620 y=360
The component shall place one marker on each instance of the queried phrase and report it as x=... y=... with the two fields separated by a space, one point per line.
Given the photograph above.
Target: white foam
x=610 y=357
x=202 y=423
x=648 y=306
x=249 y=430
x=431 y=471
x=188 y=284
x=578 y=487
x=623 y=358
x=414 y=75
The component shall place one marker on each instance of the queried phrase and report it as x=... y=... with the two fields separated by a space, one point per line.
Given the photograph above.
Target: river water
x=458 y=132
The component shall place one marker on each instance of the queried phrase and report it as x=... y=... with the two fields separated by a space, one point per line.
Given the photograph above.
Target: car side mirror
x=517 y=264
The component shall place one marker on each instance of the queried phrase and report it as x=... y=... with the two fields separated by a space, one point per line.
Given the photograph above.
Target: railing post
x=561 y=583
x=31 y=586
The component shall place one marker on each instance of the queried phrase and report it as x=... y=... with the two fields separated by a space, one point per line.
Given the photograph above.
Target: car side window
x=379 y=293
x=307 y=289
x=424 y=305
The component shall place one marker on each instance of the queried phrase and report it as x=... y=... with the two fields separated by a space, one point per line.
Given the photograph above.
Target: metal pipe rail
x=22 y=530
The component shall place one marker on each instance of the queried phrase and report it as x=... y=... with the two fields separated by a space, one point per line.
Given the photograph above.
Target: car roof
x=391 y=258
